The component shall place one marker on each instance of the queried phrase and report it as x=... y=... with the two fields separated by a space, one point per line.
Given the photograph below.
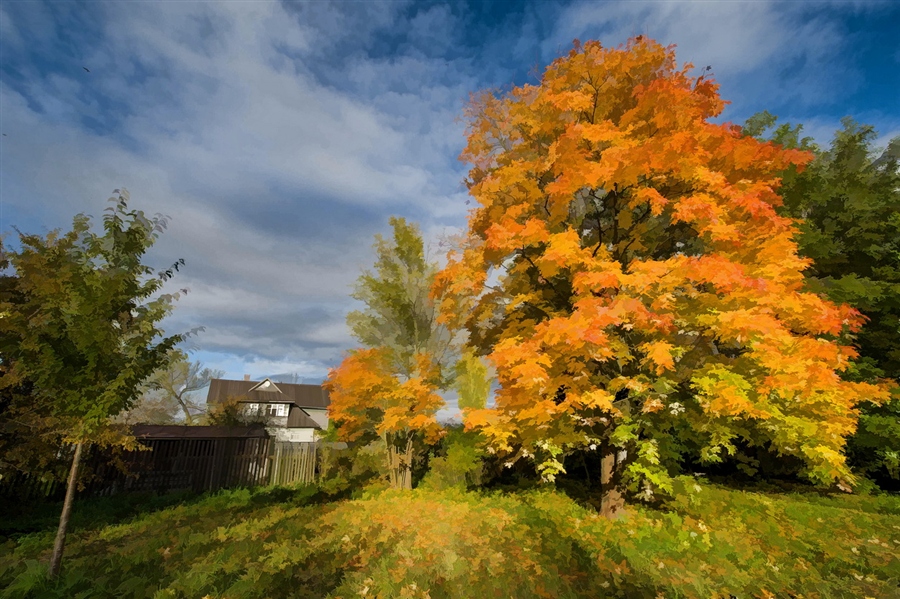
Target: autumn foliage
x=370 y=401
x=649 y=296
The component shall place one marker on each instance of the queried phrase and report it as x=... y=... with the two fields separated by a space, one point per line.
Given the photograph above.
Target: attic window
x=266 y=386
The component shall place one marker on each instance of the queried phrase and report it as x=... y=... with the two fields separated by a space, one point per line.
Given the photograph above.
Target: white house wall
x=320 y=417
x=294 y=435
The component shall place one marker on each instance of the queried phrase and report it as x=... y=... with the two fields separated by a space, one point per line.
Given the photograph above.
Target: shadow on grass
x=23 y=518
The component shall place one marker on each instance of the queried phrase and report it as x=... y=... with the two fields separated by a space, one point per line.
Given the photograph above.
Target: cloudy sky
x=280 y=137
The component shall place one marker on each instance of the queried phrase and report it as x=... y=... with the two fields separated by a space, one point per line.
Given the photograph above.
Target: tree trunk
x=188 y=419
x=59 y=544
x=407 y=465
x=612 y=503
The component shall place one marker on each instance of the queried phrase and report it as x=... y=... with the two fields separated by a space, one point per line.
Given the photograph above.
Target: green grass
x=298 y=543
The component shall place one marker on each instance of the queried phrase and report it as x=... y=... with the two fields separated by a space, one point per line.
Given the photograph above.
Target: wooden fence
x=293 y=462
x=181 y=458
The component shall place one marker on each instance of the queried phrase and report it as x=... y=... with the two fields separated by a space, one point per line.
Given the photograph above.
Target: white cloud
x=280 y=137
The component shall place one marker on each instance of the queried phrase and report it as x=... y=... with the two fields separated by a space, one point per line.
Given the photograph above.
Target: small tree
x=84 y=327
x=369 y=401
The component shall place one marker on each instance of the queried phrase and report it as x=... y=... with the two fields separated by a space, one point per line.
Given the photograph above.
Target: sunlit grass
x=540 y=543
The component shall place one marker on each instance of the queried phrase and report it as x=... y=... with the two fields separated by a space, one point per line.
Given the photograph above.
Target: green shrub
x=459 y=463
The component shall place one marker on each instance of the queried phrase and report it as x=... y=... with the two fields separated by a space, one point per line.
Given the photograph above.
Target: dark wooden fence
x=198 y=458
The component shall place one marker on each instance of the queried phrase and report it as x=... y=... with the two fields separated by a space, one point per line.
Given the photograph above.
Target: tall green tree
x=848 y=203
x=85 y=326
x=399 y=313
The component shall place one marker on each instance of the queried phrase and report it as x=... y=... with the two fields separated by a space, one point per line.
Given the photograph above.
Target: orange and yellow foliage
x=369 y=400
x=647 y=286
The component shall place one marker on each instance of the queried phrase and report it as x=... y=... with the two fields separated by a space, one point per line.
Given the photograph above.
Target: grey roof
x=297 y=418
x=166 y=431
x=304 y=396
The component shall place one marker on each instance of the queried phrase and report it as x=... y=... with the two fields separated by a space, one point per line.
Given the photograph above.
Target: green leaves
x=472 y=382
x=848 y=200
x=399 y=313
x=75 y=325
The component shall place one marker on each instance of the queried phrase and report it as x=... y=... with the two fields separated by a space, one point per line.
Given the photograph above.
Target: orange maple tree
x=369 y=401
x=647 y=288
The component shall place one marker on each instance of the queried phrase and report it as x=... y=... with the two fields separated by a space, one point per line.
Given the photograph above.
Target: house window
x=277 y=409
x=252 y=409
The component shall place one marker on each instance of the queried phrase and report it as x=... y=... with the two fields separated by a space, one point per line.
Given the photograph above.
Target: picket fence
x=208 y=461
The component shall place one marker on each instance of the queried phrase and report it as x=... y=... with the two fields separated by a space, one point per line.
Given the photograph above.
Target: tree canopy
x=847 y=202
x=649 y=292
x=399 y=314
x=81 y=326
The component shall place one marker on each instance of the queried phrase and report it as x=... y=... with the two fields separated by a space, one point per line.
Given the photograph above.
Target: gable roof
x=304 y=396
x=267 y=386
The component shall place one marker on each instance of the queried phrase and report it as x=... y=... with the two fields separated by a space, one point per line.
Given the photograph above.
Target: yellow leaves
x=563 y=251
x=659 y=354
x=602 y=132
x=599 y=399
x=651 y=196
x=571 y=101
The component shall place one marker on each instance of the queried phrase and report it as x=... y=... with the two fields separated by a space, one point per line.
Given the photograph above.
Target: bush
x=458 y=463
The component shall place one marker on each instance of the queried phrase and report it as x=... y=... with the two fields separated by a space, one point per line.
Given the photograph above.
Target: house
x=295 y=411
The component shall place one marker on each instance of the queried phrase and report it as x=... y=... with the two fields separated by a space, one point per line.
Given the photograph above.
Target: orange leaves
x=655 y=239
x=659 y=353
x=651 y=196
x=364 y=384
x=510 y=235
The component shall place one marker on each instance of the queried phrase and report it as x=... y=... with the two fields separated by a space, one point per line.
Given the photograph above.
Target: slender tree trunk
x=188 y=418
x=611 y=500
x=59 y=544
x=407 y=465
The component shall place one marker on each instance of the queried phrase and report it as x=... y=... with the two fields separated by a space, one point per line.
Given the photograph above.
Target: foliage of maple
x=370 y=401
x=849 y=201
x=648 y=289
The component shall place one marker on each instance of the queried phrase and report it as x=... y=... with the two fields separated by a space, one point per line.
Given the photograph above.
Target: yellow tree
x=648 y=291
x=369 y=401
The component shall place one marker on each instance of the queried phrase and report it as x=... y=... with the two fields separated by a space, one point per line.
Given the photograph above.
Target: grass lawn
x=278 y=542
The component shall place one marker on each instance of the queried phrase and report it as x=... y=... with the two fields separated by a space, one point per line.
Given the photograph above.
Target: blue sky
x=281 y=136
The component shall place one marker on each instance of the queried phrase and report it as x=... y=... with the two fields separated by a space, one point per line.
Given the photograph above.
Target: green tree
x=472 y=383
x=85 y=328
x=848 y=200
x=30 y=436
x=399 y=313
